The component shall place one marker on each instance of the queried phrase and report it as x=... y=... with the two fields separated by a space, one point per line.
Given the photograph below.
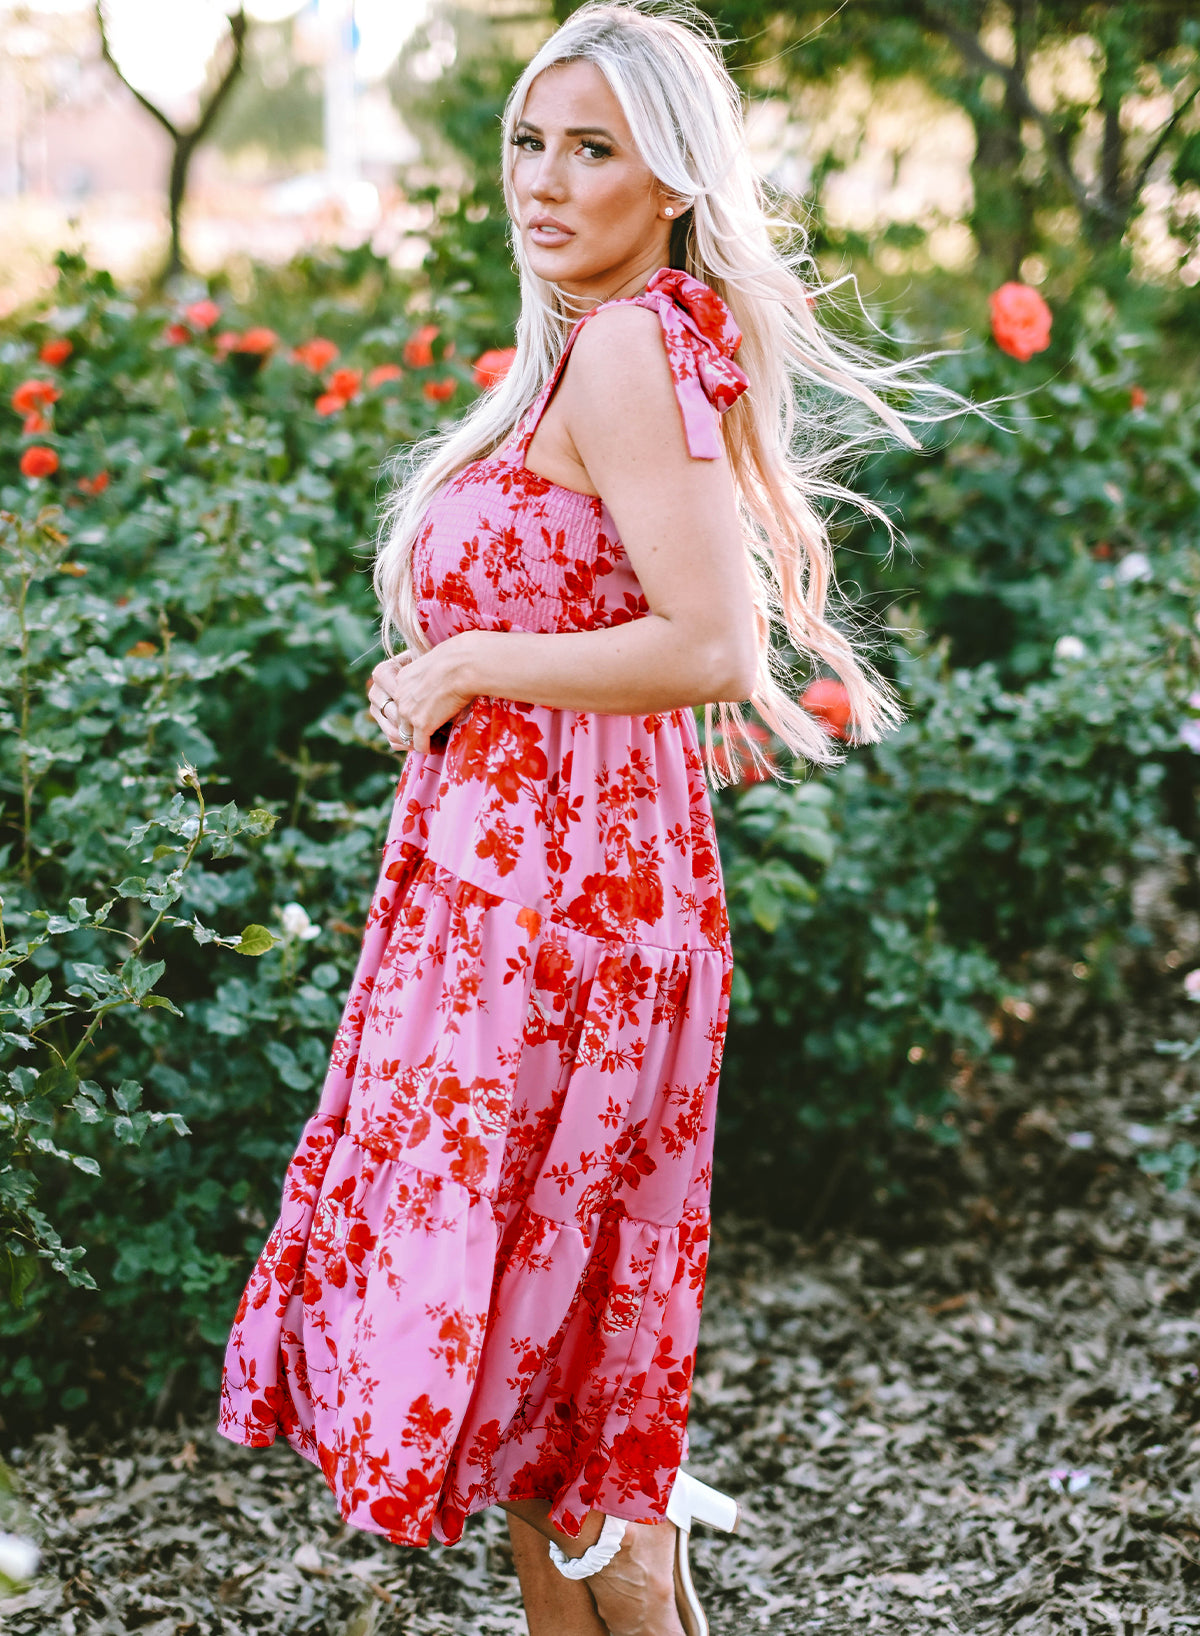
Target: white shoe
x=693 y=1501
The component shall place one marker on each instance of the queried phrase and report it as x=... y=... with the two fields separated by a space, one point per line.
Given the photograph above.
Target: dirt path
x=987 y=1420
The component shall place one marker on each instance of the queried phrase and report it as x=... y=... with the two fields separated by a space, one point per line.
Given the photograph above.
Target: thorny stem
x=98 y=1017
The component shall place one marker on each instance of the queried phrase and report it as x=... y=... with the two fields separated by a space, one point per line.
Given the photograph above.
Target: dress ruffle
x=507 y=1232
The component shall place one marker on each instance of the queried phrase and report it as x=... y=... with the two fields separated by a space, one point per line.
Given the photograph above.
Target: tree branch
x=106 y=53
x=237 y=29
x=968 y=45
x=1160 y=142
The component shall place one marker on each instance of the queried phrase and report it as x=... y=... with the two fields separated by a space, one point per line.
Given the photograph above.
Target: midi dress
x=486 y=1276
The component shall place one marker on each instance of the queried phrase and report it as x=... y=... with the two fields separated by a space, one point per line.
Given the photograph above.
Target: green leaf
x=256 y=940
x=161 y=1000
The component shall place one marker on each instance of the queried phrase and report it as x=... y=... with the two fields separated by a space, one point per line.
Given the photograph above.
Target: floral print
x=485 y=1280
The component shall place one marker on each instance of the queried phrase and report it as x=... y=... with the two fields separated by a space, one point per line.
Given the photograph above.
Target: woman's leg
x=554 y=1606
x=635 y=1594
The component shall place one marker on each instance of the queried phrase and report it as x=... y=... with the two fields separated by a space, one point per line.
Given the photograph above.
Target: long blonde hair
x=801 y=422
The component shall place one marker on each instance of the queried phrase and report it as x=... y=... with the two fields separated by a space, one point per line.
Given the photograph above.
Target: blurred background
x=245 y=257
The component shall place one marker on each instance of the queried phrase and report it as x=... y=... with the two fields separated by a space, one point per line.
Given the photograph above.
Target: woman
x=484 y=1287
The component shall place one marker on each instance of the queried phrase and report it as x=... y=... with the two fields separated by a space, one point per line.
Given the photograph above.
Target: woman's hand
x=412 y=695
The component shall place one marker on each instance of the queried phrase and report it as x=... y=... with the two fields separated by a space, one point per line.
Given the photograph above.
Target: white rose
x=1132 y=568
x=1191 y=984
x=1069 y=647
x=297 y=924
x=18 y=1558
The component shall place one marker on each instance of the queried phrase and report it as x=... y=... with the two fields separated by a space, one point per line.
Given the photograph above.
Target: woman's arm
x=677 y=518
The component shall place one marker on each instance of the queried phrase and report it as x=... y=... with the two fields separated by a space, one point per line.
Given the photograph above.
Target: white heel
x=693 y=1501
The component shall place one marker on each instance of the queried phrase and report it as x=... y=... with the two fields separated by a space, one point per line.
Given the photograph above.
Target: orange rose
x=828 y=700
x=346 y=383
x=202 y=314
x=56 y=352
x=418 y=349
x=177 y=335
x=492 y=366
x=316 y=354
x=259 y=340
x=39 y=461
x=1020 y=320
x=93 y=485
x=330 y=403
x=34 y=395
x=382 y=373
x=438 y=391
x=1137 y=397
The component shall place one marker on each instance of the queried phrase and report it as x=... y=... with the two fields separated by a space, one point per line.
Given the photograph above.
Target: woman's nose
x=547 y=179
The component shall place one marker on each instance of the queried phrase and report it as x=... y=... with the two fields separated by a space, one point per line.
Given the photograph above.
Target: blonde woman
x=484 y=1287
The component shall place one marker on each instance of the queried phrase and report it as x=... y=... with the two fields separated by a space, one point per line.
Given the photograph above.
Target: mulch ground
x=976 y=1410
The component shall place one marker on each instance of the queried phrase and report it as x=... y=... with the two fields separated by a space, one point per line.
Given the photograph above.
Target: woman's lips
x=550 y=233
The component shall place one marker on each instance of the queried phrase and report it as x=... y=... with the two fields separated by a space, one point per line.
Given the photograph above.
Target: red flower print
x=501 y=1200
x=39 y=461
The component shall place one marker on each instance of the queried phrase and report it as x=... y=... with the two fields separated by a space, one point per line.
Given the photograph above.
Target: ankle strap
x=596 y=1556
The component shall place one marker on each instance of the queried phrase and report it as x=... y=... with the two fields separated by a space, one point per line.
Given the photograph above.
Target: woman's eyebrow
x=572 y=130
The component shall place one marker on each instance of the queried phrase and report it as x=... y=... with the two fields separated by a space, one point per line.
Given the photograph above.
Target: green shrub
x=215 y=611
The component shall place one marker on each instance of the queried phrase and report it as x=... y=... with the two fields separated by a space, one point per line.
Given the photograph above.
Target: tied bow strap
x=701 y=339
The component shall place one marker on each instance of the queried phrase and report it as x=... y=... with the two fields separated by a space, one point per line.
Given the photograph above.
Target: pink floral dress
x=486 y=1277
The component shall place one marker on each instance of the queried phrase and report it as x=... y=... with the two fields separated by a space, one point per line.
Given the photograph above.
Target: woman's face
x=589 y=209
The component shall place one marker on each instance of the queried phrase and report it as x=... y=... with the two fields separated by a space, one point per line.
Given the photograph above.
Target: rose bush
x=211 y=605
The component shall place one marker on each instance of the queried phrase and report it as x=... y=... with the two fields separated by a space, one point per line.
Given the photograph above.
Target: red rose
x=1137 y=397
x=491 y=367
x=382 y=373
x=33 y=395
x=35 y=423
x=330 y=403
x=177 y=335
x=747 y=769
x=829 y=702
x=202 y=314
x=226 y=342
x=259 y=340
x=438 y=391
x=418 y=349
x=316 y=354
x=39 y=461
x=56 y=352
x=1020 y=320
x=346 y=383
x=93 y=485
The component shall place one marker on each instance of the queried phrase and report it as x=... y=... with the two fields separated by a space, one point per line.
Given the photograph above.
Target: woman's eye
x=597 y=150
x=525 y=140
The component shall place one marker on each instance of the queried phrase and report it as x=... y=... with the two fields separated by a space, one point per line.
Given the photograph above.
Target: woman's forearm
x=645 y=666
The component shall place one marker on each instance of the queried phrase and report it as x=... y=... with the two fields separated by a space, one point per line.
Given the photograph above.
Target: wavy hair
x=817 y=401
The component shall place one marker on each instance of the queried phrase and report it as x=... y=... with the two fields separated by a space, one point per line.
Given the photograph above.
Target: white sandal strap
x=596 y=1556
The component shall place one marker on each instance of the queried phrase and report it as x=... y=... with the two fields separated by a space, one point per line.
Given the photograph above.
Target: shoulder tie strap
x=701 y=339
